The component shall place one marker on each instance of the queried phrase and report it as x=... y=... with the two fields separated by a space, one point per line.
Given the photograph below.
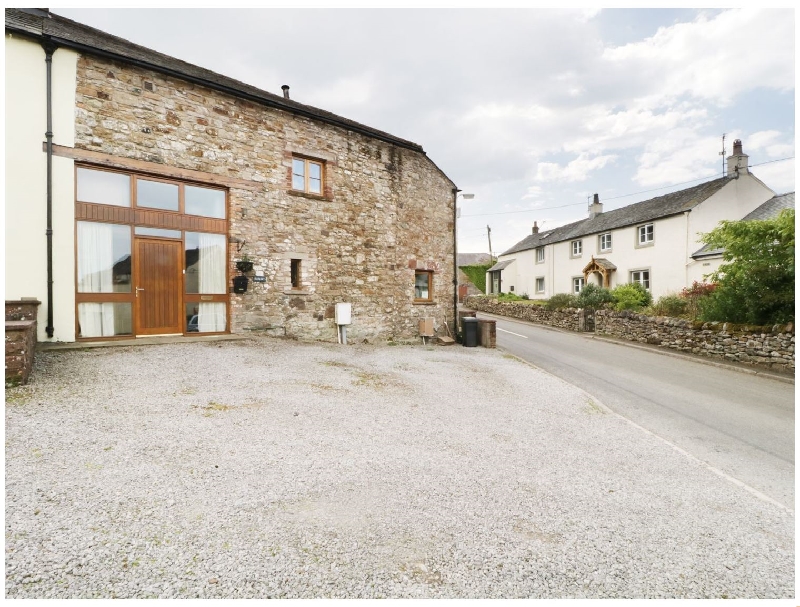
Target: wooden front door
x=159 y=285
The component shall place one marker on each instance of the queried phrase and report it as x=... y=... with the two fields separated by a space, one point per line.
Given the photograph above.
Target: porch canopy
x=600 y=266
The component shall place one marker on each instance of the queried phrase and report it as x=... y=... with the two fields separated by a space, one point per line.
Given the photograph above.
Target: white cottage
x=654 y=242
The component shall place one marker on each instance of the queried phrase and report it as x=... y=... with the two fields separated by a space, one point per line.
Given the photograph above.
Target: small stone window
x=295 y=273
x=423 y=286
x=540 y=285
x=576 y=248
x=577 y=284
x=539 y=254
x=605 y=242
x=307 y=176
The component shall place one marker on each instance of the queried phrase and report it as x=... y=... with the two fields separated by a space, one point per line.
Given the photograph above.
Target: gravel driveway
x=268 y=468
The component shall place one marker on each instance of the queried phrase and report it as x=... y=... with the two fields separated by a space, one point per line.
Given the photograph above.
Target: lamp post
x=456 y=216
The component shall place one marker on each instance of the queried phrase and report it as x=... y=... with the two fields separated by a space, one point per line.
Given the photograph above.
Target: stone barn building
x=141 y=192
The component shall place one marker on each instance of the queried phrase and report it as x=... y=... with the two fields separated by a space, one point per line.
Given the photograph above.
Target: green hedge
x=477 y=275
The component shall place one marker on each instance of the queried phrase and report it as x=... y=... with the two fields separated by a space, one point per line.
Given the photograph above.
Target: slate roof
x=633 y=214
x=473 y=259
x=40 y=24
x=501 y=265
x=769 y=210
x=603 y=263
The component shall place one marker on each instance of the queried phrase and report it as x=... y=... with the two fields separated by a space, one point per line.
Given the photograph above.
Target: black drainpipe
x=455 y=263
x=49 y=49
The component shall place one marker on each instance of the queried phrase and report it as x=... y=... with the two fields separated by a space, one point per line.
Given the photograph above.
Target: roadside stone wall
x=569 y=318
x=769 y=347
x=384 y=212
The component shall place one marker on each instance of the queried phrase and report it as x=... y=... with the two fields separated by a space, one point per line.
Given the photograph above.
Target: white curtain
x=211 y=275
x=95 y=265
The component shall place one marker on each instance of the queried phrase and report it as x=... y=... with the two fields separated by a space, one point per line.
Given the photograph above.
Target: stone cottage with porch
x=135 y=182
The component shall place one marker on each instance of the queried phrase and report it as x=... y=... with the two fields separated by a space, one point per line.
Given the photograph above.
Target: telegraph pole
x=489 y=234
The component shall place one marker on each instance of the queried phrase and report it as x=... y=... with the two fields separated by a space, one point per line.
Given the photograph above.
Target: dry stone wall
x=769 y=347
x=384 y=212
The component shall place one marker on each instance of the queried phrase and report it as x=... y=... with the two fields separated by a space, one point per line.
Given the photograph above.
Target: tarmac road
x=739 y=423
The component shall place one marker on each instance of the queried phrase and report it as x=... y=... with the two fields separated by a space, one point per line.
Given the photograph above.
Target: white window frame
x=576 y=244
x=646 y=282
x=642 y=231
x=539 y=254
x=600 y=246
x=540 y=278
x=578 y=285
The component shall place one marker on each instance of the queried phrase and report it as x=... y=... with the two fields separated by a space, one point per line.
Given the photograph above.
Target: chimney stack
x=535 y=229
x=595 y=208
x=285 y=88
x=737 y=162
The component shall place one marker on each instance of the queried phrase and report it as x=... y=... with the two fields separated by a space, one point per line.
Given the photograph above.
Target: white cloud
x=713 y=59
x=576 y=170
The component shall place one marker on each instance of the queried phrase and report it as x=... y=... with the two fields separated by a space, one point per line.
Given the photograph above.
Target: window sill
x=296 y=292
x=300 y=194
x=640 y=245
x=424 y=303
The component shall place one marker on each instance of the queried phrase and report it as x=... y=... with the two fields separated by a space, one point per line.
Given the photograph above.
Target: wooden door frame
x=137 y=329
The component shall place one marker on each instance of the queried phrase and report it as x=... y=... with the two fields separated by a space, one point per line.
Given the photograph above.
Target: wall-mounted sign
x=259 y=279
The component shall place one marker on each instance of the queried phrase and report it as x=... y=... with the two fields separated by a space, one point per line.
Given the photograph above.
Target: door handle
x=137 y=291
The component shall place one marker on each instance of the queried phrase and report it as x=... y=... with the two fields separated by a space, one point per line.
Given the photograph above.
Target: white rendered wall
x=26 y=182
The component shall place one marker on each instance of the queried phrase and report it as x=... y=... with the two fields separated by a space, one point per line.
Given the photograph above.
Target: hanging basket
x=244 y=266
x=240 y=284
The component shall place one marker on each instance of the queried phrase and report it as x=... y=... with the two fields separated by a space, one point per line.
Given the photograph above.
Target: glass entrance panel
x=104 y=258
x=206 y=263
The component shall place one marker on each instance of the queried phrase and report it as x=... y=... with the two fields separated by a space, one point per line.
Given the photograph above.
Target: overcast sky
x=531 y=110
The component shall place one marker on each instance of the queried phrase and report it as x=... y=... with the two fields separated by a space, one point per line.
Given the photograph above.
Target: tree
x=755 y=284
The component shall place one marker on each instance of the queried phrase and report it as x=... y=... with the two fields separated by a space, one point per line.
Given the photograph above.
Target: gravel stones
x=269 y=468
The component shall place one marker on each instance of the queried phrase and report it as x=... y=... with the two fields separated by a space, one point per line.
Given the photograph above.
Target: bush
x=695 y=295
x=559 y=301
x=670 y=305
x=755 y=283
x=631 y=296
x=594 y=297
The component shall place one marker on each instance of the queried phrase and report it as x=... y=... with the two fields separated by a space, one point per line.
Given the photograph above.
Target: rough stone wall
x=20 y=349
x=22 y=309
x=569 y=318
x=767 y=347
x=770 y=347
x=385 y=210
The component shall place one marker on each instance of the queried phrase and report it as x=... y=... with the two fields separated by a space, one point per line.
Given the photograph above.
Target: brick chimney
x=535 y=229
x=595 y=208
x=737 y=162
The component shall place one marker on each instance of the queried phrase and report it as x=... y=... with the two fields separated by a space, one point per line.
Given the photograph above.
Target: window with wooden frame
x=151 y=255
x=577 y=284
x=307 y=175
x=576 y=248
x=540 y=285
x=539 y=254
x=423 y=286
x=604 y=242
